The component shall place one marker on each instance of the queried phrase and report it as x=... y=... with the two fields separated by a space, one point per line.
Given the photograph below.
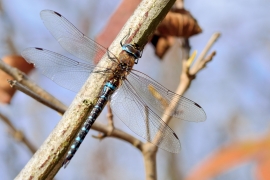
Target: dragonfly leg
x=65 y=163
x=113 y=58
x=121 y=42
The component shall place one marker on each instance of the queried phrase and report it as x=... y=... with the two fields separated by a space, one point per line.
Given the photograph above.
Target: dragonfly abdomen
x=108 y=89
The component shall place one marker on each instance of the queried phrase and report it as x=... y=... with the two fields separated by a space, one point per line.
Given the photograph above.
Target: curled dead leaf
x=179 y=23
x=162 y=44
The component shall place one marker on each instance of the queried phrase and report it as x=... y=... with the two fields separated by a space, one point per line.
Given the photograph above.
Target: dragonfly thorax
x=122 y=70
x=124 y=67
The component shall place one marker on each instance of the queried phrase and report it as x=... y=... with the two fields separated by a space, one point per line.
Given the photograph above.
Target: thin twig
x=97 y=126
x=17 y=134
x=118 y=134
x=202 y=64
x=110 y=125
x=110 y=116
x=22 y=78
x=186 y=79
x=20 y=87
x=209 y=44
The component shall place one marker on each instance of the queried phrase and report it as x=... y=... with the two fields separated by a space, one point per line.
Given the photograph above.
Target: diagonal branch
x=48 y=159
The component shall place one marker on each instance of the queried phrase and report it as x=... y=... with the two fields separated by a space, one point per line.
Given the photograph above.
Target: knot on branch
x=191 y=76
x=18 y=135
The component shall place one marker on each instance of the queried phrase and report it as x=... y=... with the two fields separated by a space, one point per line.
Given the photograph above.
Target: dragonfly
x=135 y=97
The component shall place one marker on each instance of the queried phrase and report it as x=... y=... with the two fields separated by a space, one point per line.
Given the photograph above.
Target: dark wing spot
x=39 y=49
x=57 y=13
x=175 y=135
x=198 y=105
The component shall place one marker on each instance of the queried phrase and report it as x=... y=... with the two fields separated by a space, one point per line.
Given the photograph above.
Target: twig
x=118 y=134
x=20 y=87
x=146 y=112
x=188 y=74
x=48 y=159
x=17 y=134
x=201 y=57
x=110 y=116
x=97 y=126
x=150 y=162
x=186 y=79
x=22 y=78
x=202 y=64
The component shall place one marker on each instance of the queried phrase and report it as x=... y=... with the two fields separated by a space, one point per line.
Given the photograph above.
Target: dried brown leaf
x=162 y=44
x=179 y=23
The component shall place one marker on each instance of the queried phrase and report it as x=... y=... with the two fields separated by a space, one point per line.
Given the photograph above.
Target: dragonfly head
x=134 y=50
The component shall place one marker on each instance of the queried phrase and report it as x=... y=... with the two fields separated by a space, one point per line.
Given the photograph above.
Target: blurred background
x=234 y=141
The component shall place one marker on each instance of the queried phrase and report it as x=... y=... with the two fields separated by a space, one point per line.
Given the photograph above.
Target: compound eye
x=130 y=48
x=138 y=54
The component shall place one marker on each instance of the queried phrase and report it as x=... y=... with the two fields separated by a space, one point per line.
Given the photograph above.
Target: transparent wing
x=70 y=38
x=64 y=71
x=131 y=109
x=158 y=98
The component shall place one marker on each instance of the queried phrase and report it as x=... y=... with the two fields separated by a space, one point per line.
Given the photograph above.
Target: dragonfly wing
x=158 y=98
x=129 y=107
x=70 y=38
x=64 y=71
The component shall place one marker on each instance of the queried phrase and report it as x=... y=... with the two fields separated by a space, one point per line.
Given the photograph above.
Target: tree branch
x=17 y=134
x=20 y=87
x=107 y=131
x=22 y=78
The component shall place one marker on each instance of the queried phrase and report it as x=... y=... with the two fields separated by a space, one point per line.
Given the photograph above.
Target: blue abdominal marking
x=84 y=129
x=110 y=86
x=96 y=106
x=78 y=139
x=108 y=89
x=104 y=97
